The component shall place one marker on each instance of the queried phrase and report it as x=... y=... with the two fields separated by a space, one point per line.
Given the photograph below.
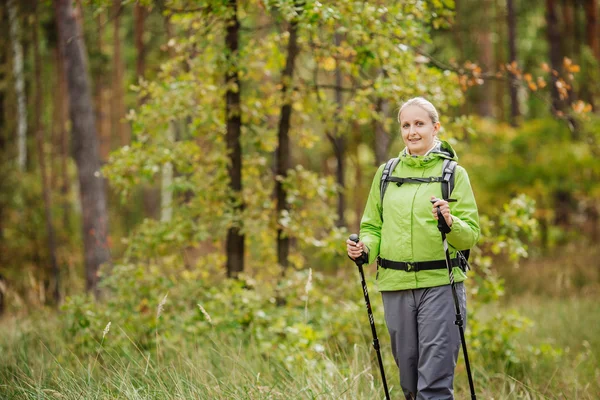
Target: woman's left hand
x=444 y=207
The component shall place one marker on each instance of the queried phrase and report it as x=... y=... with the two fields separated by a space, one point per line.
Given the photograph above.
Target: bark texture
x=233 y=112
x=39 y=138
x=512 y=55
x=282 y=154
x=84 y=147
x=17 y=48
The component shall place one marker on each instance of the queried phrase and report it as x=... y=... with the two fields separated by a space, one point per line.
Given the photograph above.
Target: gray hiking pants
x=425 y=340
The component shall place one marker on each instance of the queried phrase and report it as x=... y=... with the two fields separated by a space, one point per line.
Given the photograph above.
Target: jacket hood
x=440 y=149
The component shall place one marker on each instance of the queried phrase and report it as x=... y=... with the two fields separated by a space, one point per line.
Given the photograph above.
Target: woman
x=418 y=304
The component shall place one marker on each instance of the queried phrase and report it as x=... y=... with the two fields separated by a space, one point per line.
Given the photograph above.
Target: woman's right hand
x=355 y=249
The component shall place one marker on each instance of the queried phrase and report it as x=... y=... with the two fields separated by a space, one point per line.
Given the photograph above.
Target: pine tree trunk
x=2 y=292
x=512 y=54
x=3 y=60
x=120 y=128
x=19 y=77
x=486 y=104
x=3 y=134
x=39 y=136
x=85 y=147
x=139 y=16
x=569 y=44
x=382 y=137
x=103 y=99
x=591 y=27
x=283 y=149
x=339 y=143
x=62 y=104
x=553 y=37
x=233 y=112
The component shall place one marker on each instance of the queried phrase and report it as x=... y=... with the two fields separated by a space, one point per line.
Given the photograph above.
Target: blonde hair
x=424 y=104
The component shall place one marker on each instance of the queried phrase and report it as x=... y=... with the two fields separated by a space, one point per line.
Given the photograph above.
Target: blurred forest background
x=178 y=179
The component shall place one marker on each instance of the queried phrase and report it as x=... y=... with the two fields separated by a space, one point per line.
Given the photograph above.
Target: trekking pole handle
x=362 y=259
x=442 y=224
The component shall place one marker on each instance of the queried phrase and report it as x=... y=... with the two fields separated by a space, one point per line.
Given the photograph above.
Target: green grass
x=35 y=363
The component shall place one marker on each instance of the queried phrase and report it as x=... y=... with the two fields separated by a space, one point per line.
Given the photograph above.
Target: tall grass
x=35 y=363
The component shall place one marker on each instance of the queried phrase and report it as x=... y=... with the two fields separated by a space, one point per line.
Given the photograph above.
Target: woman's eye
x=405 y=126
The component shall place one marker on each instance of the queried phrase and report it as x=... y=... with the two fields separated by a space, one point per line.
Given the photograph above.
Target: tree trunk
x=39 y=136
x=15 y=37
x=166 y=193
x=458 y=34
x=233 y=113
x=339 y=143
x=103 y=99
x=3 y=60
x=85 y=147
x=591 y=27
x=486 y=103
x=120 y=128
x=139 y=16
x=2 y=292
x=63 y=117
x=553 y=37
x=512 y=54
x=569 y=44
x=382 y=137
x=283 y=149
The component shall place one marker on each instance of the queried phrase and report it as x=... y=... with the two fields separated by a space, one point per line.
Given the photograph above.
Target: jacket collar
x=440 y=149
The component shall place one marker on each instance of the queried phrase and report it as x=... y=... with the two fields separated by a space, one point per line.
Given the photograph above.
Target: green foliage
x=294 y=319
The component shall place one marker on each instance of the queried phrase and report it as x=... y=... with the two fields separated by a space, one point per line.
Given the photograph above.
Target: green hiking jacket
x=408 y=231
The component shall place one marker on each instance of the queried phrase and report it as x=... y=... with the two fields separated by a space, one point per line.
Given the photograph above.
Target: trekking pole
x=444 y=228
x=359 y=263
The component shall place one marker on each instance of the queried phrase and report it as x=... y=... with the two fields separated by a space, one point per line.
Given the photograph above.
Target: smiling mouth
x=414 y=140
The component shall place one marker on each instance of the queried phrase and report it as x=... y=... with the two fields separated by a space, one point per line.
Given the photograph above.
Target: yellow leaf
x=329 y=64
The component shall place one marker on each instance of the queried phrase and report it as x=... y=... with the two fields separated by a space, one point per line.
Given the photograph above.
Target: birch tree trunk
x=85 y=146
x=15 y=37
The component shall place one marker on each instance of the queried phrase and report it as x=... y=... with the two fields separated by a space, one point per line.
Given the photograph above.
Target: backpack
x=447 y=181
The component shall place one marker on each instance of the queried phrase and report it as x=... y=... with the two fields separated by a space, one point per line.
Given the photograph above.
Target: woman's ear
x=436 y=128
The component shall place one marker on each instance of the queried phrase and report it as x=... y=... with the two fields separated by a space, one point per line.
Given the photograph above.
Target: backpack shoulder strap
x=448 y=168
x=387 y=172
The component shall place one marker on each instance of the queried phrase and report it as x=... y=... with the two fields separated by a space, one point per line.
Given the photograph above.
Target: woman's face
x=418 y=130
